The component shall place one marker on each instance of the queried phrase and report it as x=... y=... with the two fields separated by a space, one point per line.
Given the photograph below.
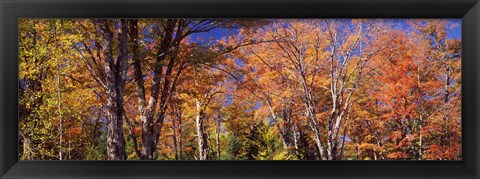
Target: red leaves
x=397 y=155
x=383 y=91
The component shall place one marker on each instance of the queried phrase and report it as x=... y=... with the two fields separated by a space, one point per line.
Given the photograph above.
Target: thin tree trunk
x=310 y=112
x=201 y=136
x=59 y=110
x=180 y=135
x=318 y=142
x=443 y=140
x=69 y=144
x=217 y=137
x=420 y=152
x=296 y=135
x=174 y=137
x=343 y=144
x=283 y=131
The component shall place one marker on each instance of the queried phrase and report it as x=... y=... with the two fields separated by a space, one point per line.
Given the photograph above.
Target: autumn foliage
x=233 y=89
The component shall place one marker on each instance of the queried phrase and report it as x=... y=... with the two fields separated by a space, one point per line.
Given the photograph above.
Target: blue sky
x=454 y=33
x=457 y=31
x=217 y=34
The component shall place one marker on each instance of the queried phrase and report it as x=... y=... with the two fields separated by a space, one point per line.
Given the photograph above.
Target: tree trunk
x=282 y=130
x=201 y=136
x=420 y=152
x=316 y=131
x=27 y=153
x=443 y=139
x=296 y=135
x=343 y=144
x=310 y=112
x=147 y=111
x=318 y=142
x=148 y=143
x=180 y=144
x=59 y=112
x=115 y=72
x=217 y=138
x=174 y=137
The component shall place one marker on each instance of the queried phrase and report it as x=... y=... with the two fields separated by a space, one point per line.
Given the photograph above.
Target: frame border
x=468 y=10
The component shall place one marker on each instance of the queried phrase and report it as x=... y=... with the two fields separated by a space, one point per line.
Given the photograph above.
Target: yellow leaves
x=368 y=138
x=281 y=155
x=402 y=78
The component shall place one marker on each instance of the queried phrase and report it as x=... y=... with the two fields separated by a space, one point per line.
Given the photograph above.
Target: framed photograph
x=240 y=89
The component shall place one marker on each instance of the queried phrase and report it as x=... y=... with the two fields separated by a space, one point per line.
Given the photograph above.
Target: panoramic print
x=239 y=89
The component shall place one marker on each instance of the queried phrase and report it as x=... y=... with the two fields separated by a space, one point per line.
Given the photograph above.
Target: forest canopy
x=239 y=89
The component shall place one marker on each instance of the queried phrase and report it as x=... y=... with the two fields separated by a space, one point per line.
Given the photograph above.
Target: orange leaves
x=438 y=152
x=395 y=136
x=397 y=155
x=410 y=137
x=384 y=89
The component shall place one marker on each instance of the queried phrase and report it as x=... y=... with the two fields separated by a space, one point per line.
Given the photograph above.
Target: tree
x=444 y=54
x=109 y=68
x=310 y=61
x=53 y=123
x=215 y=89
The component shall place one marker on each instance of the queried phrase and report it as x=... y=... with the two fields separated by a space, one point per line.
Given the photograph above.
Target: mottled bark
x=115 y=71
x=27 y=150
x=201 y=135
x=296 y=138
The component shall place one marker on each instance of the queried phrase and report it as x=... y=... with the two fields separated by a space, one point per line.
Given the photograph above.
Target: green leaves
x=273 y=90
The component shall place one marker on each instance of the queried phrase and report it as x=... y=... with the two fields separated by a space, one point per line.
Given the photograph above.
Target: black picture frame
x=12 y=10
